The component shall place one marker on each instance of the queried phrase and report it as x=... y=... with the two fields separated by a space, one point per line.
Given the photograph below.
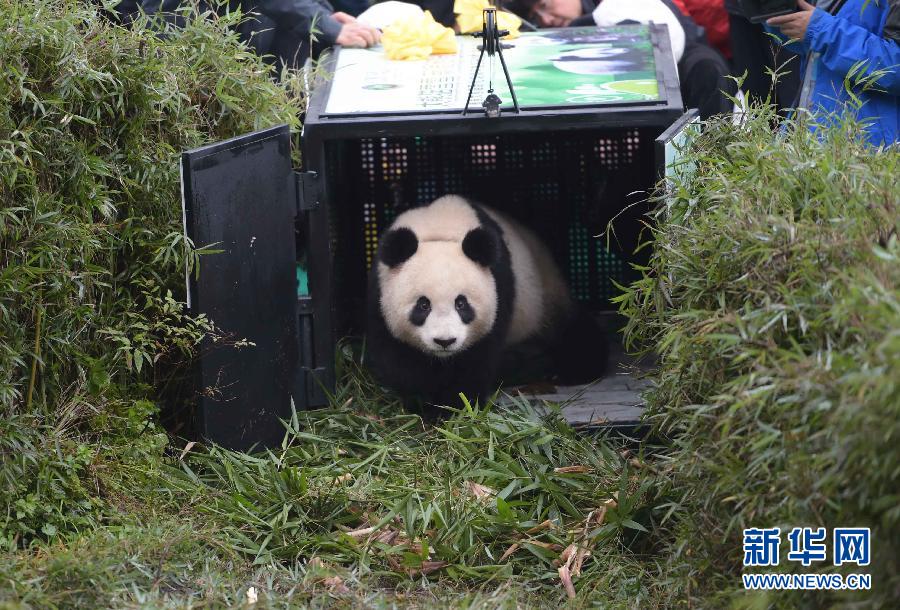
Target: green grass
x=457 y=496
x=362 y=507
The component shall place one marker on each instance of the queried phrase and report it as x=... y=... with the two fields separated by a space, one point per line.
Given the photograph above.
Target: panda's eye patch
x=420 y=311
x=465 y=311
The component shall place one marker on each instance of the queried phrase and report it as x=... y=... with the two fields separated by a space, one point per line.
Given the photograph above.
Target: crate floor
x=613 y=400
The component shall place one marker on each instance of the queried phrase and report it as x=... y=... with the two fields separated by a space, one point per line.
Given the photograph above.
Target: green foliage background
x=773 y=301
x=92 y=253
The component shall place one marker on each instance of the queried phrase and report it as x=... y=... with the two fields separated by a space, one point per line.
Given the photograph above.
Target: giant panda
x=453 y=286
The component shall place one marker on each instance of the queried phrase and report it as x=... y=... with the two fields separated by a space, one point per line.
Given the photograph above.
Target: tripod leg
x=474 y=78
x=509 y=84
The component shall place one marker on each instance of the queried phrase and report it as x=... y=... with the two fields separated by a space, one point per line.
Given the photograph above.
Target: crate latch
x=307 y=191
x=315 y=386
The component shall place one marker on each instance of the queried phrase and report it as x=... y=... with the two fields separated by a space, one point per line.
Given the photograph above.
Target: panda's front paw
x=433 y=413
x=427 y=408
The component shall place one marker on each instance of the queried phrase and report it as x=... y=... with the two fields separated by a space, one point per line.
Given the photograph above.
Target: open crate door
x=240 y=201
x=673 y=141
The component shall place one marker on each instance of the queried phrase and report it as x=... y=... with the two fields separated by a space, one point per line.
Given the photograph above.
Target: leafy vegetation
x=390 y=497
x=773 y=302
x=92 y=254
x=771 y=298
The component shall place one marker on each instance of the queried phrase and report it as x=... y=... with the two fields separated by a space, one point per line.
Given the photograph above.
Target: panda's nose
x=445 y=343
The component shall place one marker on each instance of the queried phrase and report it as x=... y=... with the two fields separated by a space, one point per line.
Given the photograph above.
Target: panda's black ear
x=481 y=246
x=398 y=246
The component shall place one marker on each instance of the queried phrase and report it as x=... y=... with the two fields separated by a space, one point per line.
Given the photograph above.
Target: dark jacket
x=734 y=7
x=441 y=10
x=307 y=14
x=286 y=14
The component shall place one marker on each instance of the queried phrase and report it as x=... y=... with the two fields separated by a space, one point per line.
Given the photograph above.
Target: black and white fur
x=455 y=284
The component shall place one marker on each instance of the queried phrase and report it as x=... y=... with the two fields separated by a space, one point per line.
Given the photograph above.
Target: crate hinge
x=307 y=191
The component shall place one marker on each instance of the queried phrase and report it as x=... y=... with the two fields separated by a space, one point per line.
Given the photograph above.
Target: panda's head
x=438 y=296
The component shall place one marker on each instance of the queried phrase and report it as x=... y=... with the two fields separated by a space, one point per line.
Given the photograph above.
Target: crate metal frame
x=320 y=128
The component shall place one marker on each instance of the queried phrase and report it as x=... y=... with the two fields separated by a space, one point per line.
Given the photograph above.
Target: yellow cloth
x=470 y=17
x=417 y=38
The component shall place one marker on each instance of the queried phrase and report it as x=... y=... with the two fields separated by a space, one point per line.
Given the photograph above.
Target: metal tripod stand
x=491 y=35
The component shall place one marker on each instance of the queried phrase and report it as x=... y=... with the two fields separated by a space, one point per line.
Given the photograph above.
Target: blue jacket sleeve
x=800 y=47
x=842 y=45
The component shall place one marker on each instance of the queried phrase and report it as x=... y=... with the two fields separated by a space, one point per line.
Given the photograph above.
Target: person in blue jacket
x=855 y=38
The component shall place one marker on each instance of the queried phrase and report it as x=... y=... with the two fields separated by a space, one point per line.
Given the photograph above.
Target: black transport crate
x=564 y=170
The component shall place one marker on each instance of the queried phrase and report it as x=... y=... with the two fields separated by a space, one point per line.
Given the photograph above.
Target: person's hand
x=356 y=34
x=794 y=25
x=343 y=18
